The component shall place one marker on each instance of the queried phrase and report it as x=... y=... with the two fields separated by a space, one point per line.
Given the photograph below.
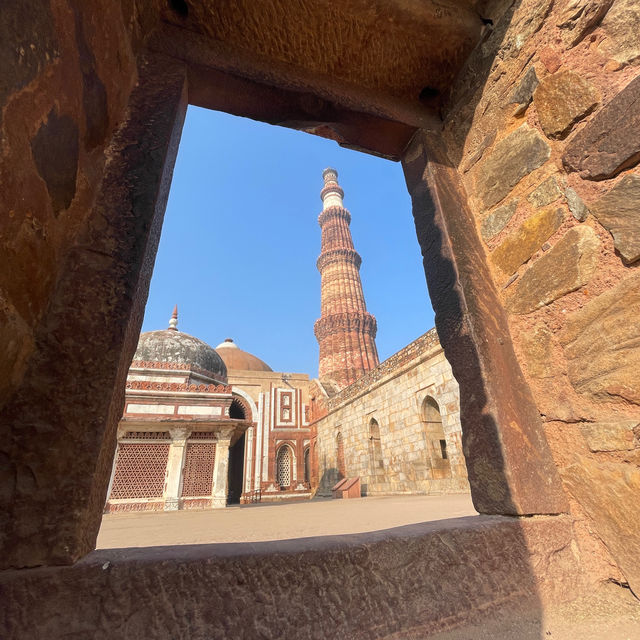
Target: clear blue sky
x=241 y=238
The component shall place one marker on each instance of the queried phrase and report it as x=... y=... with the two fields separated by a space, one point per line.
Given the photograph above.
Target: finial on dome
x=173 y=323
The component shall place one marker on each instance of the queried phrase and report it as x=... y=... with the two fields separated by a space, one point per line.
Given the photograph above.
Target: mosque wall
x=397 y=428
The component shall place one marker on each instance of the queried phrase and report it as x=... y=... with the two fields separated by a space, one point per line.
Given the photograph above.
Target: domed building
x=205 y=427
x=181 y=436
x=237 y=359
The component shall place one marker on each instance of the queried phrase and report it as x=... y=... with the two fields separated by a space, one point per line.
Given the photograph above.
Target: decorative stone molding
x=178 y=366
x=342 y=322
x=148 y=385
x=339 y=255
x=334 y=212
x=331 y=188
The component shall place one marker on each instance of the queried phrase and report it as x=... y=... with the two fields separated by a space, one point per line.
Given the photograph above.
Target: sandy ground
x=256 y=523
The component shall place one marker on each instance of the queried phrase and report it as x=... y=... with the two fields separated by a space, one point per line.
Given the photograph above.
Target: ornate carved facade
x=206 y=427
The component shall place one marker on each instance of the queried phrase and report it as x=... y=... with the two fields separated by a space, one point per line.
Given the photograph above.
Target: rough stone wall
x=393 y=394
x=74 y=257
x=542 y=126
x=66 y=78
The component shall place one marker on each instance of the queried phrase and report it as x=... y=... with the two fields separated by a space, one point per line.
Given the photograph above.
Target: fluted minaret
x=346 y=331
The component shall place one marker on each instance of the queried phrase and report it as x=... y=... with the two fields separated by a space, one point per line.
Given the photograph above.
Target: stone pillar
x=221 y=471
x=510 y=467
x=175 y=462
x=51 y=505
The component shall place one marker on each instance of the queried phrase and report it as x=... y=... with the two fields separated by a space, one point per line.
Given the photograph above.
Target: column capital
x=179 y=435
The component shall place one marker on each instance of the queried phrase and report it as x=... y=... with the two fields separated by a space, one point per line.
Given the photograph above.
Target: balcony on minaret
x=346 y=330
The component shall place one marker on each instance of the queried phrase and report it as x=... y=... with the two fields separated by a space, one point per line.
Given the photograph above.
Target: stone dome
x=236 y=358
x=175 y=347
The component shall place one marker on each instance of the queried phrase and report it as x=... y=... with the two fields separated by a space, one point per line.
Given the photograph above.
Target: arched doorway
x=435 y=440
x=284 y=467
x=340 y=464
x=307 y=466
x=375 y=452
x=236 y=471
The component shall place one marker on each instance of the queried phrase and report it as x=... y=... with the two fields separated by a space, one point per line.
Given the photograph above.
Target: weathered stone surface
x=554 y=397
x=608 y=143
x=508 y=458
x=513 y=158
x=523 y=94
x=28 y=41
x=602 y=345
x=565 y=268
x=622 y=26
x=618 y=211
x=50 y=511
x=609 y=494
x=409 y=580
x=611 y=436
x=536 y=346
x=550 y=58
x=545 y=193
x=494 y=222
x=520 y=245
x=578 y=208
x=562 y=100
x=578 y=17
x=55 y=153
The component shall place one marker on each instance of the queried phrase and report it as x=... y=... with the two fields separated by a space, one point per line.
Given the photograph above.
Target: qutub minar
x=346 y=331
x=205 y=427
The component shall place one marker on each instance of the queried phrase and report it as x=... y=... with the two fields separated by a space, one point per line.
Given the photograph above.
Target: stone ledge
x=423 y=578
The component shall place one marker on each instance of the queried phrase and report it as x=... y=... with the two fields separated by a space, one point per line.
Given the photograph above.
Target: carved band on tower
x=346 y=331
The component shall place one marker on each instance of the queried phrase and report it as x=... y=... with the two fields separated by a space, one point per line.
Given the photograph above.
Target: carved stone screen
x=198 y=469
x=140 y=470
x=283 y=467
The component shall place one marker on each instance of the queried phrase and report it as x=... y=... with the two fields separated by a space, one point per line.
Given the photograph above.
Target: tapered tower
x=346 y=331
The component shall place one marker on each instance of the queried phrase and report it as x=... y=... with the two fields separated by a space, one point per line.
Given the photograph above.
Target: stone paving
x=261 y=522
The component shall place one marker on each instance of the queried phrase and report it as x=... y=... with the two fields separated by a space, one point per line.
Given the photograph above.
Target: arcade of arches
x=516 y=124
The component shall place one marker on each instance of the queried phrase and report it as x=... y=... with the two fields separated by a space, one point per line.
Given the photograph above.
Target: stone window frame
x=470 y=315
x=293 y=461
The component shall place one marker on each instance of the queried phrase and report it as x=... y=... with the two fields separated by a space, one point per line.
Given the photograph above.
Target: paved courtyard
x=255 y=523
